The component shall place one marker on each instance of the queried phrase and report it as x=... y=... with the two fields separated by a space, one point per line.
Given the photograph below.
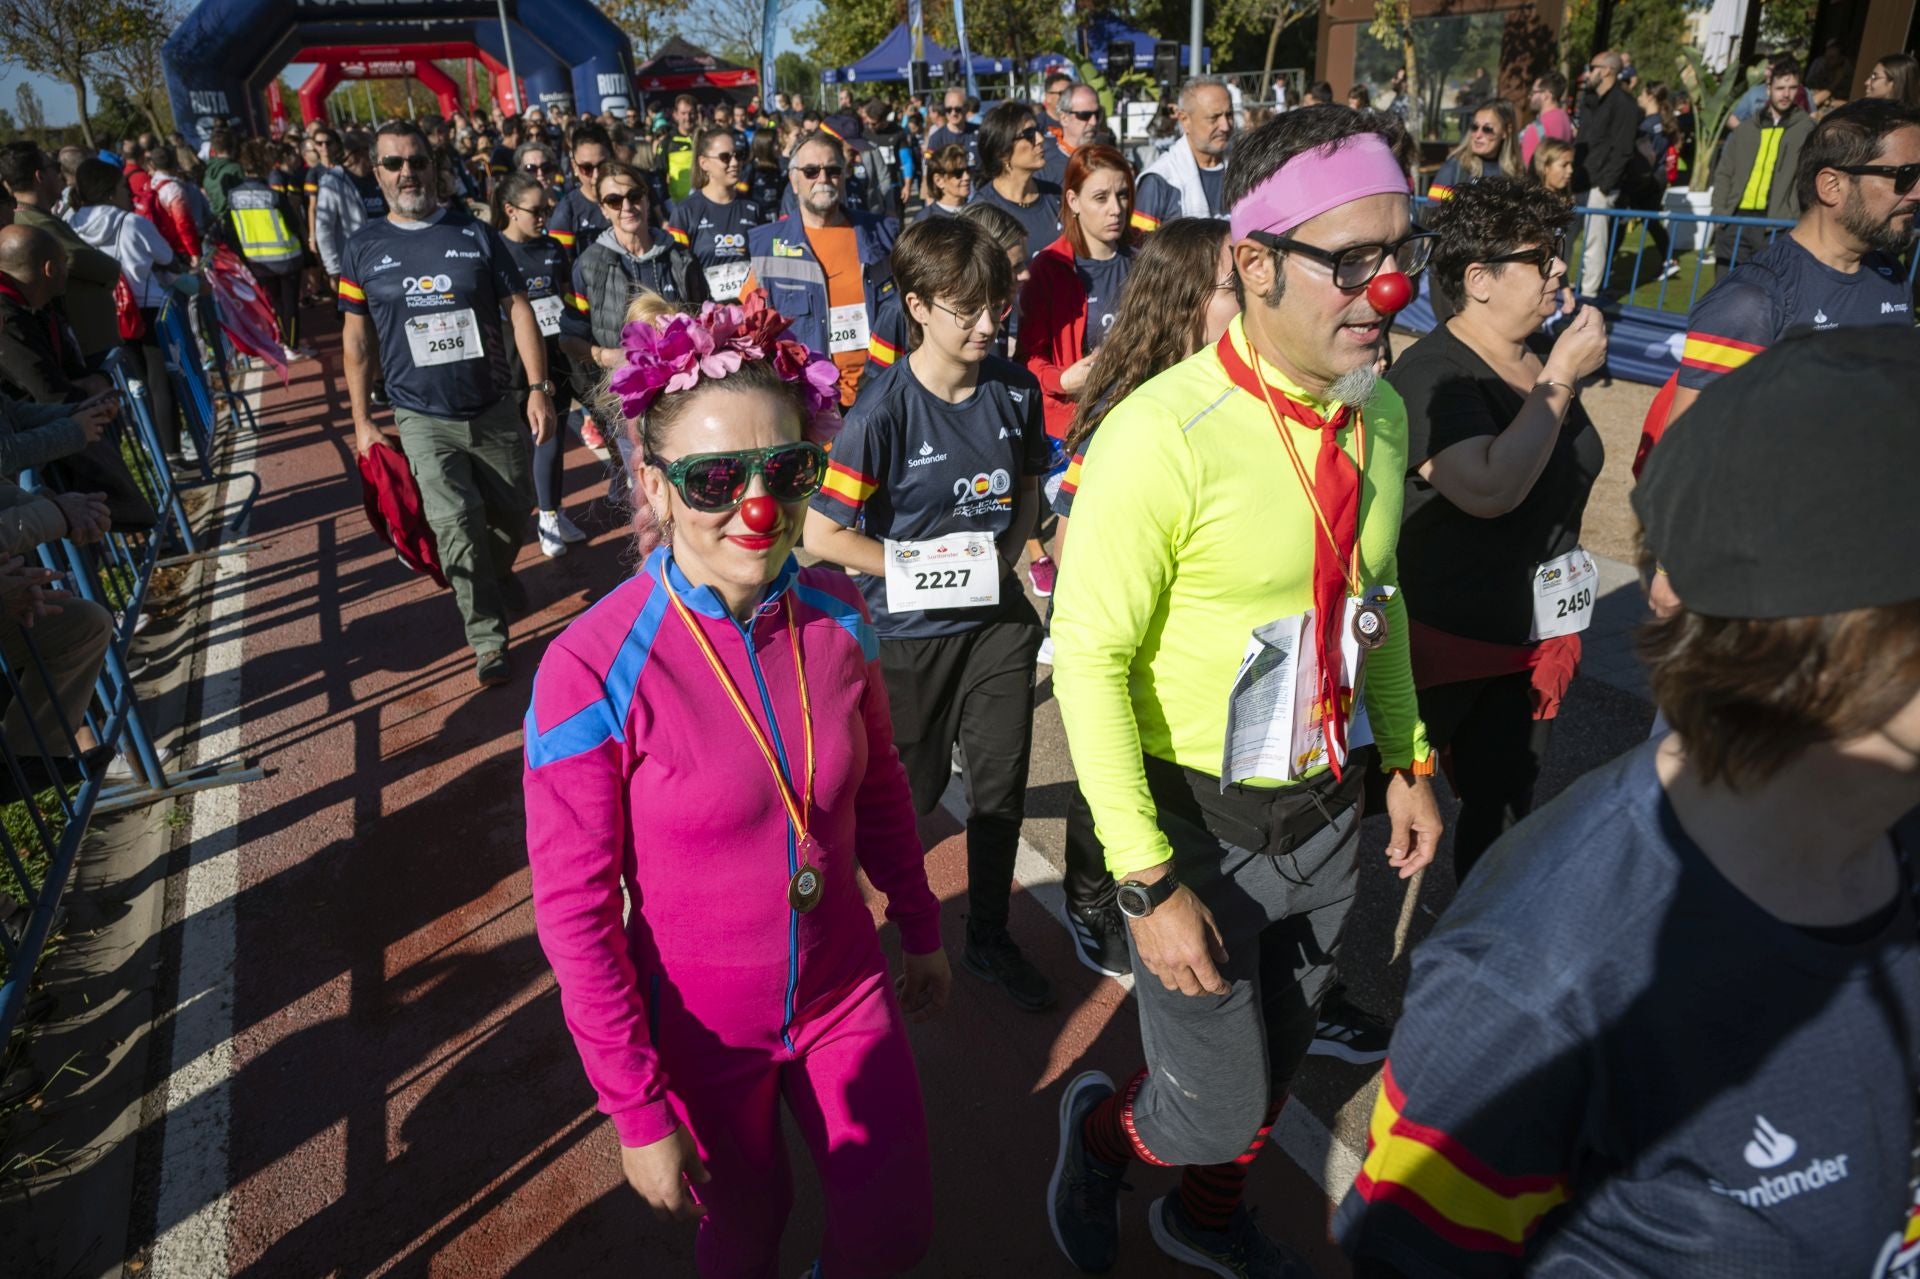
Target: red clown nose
x=760 y=514
x=1389 y=292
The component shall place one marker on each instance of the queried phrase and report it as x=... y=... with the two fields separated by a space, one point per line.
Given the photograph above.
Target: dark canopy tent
x=680 y=67
x=893 y=56
x=1096 y=34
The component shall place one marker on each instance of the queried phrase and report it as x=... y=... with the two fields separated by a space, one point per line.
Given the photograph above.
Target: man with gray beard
x=1858 y=183
x=1232 y=662
x=425 y=290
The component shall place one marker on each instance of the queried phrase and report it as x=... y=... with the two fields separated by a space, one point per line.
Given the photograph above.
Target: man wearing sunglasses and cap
x=1671 y=1025
x=1232 y=660
x=424 y=291
x=825 y=267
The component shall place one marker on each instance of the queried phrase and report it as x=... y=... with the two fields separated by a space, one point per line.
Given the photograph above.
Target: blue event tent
x=890 y=59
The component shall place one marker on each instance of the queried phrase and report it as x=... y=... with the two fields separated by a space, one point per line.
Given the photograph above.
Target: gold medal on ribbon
x=806 y=885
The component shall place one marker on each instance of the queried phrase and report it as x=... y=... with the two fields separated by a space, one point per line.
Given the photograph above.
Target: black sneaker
x=491 y=668
x=997 y=959
x=1083 y=1198
x=1100 y=939
x=1240 y=1251
x=1350 y=1033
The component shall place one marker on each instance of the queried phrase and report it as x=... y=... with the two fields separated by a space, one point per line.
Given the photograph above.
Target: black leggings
x=283 y=292
x=550 y=458
x=1494 y=747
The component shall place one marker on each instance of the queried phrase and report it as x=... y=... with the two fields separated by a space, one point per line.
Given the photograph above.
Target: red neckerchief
x=1336 y=490
x=11 y=291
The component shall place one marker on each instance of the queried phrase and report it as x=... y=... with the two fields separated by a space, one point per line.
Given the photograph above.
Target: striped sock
x=1105 y=1130
x=1210 y=1192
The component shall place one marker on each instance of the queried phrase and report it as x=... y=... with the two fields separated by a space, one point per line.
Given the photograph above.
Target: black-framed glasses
x=724 y=158
x=587 y=166
x=1542 y=256
x=1000 y=314
x=1086 y=117
x=1904 y=175
x=1355 y=266
x=530 y=167
x=614 y=199
x=1483 y=128
x=537 y=214
x=812 y=172
x=1031 y=133
x=715 y=482
x=413 y=163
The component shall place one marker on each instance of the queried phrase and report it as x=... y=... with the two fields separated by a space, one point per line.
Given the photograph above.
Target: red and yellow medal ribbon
x=799 y=809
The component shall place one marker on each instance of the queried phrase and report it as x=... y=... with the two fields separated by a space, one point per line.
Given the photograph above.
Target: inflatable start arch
x=223 y=55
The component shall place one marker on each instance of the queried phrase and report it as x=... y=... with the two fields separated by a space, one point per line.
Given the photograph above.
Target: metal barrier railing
x=53 y=788
x=200 y=405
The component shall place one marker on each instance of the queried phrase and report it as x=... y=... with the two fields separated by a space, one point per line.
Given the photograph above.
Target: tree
x=1653 y=31
x=1393 y=27
x=649 y=22
x=792 y=74
x=63 y=39
x=133 y=57
x=33 y=116
x=731 y=28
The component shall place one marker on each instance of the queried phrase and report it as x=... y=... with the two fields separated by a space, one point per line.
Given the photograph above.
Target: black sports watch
x=1137 y=900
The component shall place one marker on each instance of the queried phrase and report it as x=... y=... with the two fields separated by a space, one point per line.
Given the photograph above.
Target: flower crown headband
x=676 y=355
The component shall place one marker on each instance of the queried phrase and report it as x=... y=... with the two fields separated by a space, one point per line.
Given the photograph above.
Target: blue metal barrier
x=199 y=405
x=1645 y=334
x=58 y=792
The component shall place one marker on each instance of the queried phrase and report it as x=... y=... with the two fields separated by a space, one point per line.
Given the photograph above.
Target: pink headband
x=1315 y=181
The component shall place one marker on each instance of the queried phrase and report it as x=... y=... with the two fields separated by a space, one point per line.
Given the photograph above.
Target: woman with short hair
x=1501 y=459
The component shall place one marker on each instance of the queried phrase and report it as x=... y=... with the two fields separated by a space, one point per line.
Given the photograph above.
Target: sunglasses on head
x=812 y=172
x=614 y=199
x=1904 y=176
x=715 y=482
x=414 y=163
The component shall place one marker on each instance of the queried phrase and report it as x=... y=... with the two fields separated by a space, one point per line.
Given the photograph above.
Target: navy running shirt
x=909 y=466
x=1613 y=1062
x=576 y=220
x=1103 y=282
x=435 y=292
x=1780 y=290
x=1041 y=218
x=544 y=265
x=717 y=235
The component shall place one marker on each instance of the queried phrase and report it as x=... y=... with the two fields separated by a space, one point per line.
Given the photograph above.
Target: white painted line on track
x=1298 y=1132
x=195 y=1207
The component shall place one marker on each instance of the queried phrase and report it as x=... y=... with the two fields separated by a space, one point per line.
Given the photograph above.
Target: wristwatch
x=1137 y=900
x=545 y=388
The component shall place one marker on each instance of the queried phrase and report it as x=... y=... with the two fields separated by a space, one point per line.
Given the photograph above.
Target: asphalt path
x=378 y=1080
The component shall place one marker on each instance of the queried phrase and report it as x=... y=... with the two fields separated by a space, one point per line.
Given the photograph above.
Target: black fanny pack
x=1271 y=820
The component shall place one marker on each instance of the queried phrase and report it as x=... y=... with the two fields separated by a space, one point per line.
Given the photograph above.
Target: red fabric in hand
x=392 y=500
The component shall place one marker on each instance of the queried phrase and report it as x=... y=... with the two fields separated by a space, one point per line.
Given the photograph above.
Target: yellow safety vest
x=262 y=228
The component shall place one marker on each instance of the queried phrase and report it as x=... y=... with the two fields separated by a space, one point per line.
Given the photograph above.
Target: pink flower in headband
x=715 y=343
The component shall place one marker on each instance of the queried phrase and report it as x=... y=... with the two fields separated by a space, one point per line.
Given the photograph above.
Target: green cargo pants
x=476 y=488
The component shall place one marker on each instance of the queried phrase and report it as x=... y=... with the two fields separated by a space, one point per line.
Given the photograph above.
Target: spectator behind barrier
x=39 y=358
x=34 y=180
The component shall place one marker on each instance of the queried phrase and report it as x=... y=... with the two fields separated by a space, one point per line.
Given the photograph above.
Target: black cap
x=1789 y=488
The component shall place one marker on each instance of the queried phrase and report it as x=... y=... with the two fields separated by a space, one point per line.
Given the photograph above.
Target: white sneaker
x=1046 y=651
x=568 y=530
x=1671 y=269
x=552 y=544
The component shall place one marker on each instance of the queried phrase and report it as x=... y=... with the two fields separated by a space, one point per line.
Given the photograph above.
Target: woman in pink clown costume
x=713 y=736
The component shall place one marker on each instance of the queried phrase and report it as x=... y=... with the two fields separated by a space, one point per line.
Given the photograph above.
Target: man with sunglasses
x=929 y=498
x=1609 y=127
x=349 y=197
x=1241 y=514
x=953 y=129
x=1858 y=183
x=577 y=221
x=825 y=266
x=1188 y=180
x=424 y=291
x=1079 y=117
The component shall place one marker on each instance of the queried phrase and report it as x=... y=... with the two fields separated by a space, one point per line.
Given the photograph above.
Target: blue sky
x=58 y=99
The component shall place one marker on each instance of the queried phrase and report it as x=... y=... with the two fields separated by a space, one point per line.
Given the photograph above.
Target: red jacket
x=392 y=500
x=172 y=212
x=1053 y=328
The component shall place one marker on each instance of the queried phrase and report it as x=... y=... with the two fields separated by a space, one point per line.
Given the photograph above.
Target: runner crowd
x=1308 y=572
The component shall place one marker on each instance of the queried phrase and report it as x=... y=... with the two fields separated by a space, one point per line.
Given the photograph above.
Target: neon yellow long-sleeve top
x=1190 y=529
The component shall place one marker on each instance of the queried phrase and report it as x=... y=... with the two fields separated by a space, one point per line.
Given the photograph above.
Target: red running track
x=405 y=1097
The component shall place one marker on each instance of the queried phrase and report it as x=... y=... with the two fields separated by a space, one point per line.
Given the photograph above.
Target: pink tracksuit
x=715 y=1000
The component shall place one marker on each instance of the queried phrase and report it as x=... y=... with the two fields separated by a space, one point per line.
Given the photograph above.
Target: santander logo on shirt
x=1768 y=1148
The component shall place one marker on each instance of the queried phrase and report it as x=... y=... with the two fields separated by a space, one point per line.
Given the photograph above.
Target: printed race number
x=960 y=571
x=547 y=311
x=1563 y=593
x=443 y=337
x=847 y=328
